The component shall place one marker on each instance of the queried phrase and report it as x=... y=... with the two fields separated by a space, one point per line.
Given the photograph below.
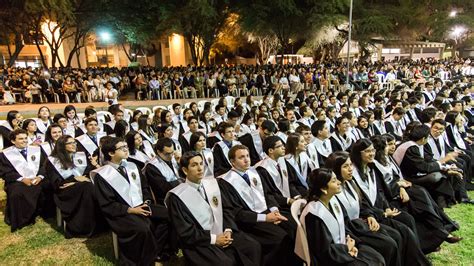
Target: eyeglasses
x=122 y=148
x=71 y=143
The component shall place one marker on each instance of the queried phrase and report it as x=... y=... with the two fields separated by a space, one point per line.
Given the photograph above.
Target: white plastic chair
x=144 y=110
x=301 y=243
x=104 y=116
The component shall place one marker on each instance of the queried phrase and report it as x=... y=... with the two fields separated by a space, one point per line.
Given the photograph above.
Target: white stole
x=252 y=194
x=401 y=150
x=319 y=145
x=369 y=186
x=334 y=223
x=312 y=155
x=208 y=214
x=344 y=143
x=87 y=142
x=437 y=154
x=280 y=181
x=257 y=142
x=168 y=173
x=225 y=149
x=387 y=171
x=26 y=168
x=301 y=174
x=47 y=148
x=80 y=164
x=349 y=201
x=41 y=126
x=208 y=158
x=131 y=192
x=148 y=148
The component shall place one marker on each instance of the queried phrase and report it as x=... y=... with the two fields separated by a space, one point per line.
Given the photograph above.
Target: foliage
x=199 y=21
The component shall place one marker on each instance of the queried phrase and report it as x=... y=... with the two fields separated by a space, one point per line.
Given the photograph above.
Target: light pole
x=349 y=45
x=456 y=33
x=106 y=38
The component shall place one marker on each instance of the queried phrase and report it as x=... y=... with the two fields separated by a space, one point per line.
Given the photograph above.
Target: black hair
x=186 y=159
x=162 y=143
x=317 y=180
x=195 y=138
x=109 y=147
x=419 y=132
x=270 y=142
x=335 y=161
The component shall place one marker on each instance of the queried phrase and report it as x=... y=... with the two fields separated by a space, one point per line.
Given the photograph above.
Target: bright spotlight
x=105 y=36
x=453 y=13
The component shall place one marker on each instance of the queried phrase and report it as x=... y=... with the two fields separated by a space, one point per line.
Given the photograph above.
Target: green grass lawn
x=43 y=243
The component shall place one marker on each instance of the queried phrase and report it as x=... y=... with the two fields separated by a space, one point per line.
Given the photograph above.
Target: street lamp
x=106 y=37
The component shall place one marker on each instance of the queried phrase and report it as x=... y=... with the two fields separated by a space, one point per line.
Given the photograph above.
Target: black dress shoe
x=453 y=239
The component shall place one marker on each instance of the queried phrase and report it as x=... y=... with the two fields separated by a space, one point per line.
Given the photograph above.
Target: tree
x=199 y=21
x=15 y=27
x=285 y=19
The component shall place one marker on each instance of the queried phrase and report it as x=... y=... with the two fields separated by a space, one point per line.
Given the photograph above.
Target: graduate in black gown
x=373 y=203
x=124 y=198
x=323 y=220
x=221 y=148
x=438 y=179
x=204 y=221
x=254 y=140
x=68 y=171
x=433 y=226
x=162 y=171
x=256 y=211
x=25 y=183
x=321 y=141
x=140 y=151
x=274 y=171
x=14 y=121
x=340 y=140
x=52 y=134
x=89 y=142
x=384 y=239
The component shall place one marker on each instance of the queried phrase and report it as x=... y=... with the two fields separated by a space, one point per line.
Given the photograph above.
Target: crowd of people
x=107 y=84
x=375 y=165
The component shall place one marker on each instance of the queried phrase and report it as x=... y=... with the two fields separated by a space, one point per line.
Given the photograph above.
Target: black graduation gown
x=140 y=238
x=158 y=184
x=295 y=181
x=276 y=241
x=5 y=132
x=412 y=164
x=247 y=140
x=221 y=164
x=24 y=202
x=324 y=251
x=196 y=242
x=430 y=225
x=403 y=223
x=76 y=202
x=184 y=143
x=273 y=189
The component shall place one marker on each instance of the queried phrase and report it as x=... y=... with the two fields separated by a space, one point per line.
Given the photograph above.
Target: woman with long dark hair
x=145 y=129
x=433 y=225
x=34 y=138
x=301 y=164
x=68 y=170
x=14 y=121
x=323 y=220
x=53 y=133
x=140 y=151
x=373 y=203
x=380 y=237
x=197 y=142
x=44 y=119
x=340 y=141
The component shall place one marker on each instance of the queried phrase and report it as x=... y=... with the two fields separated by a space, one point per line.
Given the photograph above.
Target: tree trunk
x=78 y=55
x=18 y=47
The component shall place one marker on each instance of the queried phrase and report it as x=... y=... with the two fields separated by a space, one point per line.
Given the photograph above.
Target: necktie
x=122 y=171
x=279 y=171
x=246 y=178
x=438 y=144
x=94 y=139
x=202 y=192
x=23 y=153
